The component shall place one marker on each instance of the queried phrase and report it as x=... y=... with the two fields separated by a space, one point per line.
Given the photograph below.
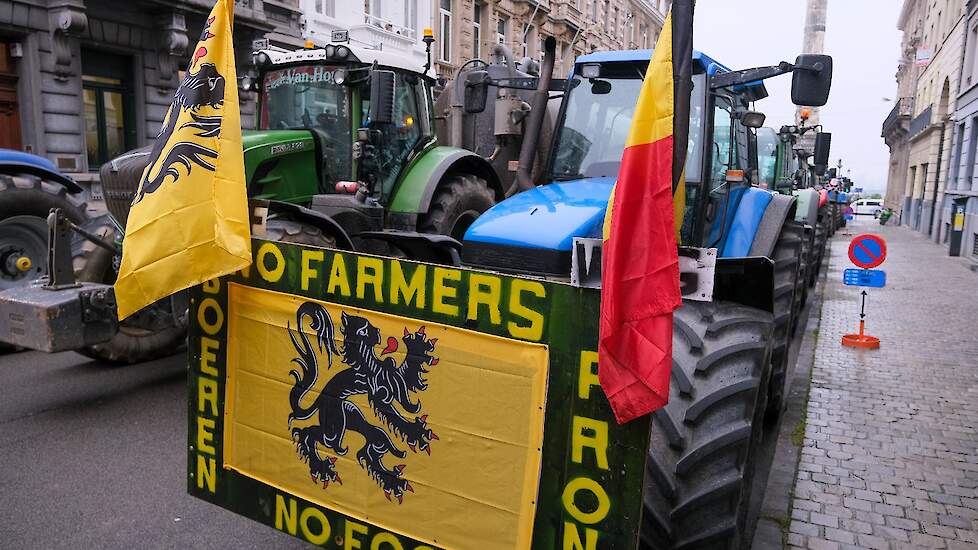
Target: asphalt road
x=94 y=456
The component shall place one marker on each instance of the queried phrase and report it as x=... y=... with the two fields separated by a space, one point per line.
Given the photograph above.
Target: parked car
x=867 y=207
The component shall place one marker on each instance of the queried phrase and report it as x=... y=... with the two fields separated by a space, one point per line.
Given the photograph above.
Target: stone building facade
x=467 y=29
x=381 y=24
x=896 y=126
x=959 y=209
x=82 y=81
x=930 y=130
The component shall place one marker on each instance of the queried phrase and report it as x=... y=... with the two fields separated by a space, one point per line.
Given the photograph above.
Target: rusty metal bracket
x=60 y=273
x=97 y=304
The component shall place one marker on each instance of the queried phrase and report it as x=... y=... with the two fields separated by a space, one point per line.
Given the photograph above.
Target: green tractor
x=346 y=155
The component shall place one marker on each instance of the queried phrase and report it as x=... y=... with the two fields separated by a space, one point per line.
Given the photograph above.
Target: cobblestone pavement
x=890 y=456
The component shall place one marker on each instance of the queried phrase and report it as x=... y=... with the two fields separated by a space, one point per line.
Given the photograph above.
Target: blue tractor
x=731 y=337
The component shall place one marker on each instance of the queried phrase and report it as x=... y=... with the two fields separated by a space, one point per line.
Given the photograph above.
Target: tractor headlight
x=262 y=60
x=591 y=70
x=339 y=76
x=342 y=52
x=330 y=51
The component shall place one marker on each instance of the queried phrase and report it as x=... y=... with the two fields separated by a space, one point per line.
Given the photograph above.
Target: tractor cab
x=323 y=109
x=723 y=205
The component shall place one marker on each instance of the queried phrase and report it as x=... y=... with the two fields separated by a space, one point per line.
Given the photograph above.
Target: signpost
x=866 y=251
x=363 y=402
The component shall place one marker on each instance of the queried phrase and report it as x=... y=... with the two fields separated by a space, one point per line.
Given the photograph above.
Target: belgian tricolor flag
x=640 y=266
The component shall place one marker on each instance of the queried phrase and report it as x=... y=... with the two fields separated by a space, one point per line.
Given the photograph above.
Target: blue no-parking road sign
x=865 y=277
x=867 y=251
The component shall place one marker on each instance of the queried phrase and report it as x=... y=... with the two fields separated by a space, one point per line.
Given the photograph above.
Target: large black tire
x=25 y=202
x=702 y=452
x=807 y=263
x=132 y=343
x=459 y=200
x=787 y=303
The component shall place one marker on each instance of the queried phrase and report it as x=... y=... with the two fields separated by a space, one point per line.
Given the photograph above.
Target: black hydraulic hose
x=538 y=110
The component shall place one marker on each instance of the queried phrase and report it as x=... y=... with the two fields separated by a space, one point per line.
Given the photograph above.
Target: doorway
x=9 y=107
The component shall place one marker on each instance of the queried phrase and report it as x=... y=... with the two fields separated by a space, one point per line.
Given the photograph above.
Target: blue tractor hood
x=534 y=230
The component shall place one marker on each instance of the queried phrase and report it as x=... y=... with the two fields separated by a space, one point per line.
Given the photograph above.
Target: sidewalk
x=890 y=456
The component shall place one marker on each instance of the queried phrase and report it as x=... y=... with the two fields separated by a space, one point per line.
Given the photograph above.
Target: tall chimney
x=813 y=42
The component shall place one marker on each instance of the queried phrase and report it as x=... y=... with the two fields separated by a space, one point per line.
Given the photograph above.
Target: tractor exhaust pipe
x=538 y=110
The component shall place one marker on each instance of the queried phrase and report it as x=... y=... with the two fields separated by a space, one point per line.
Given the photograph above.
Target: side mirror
x=811 y=80
x=823 y=142
x=476 y=91
x=382 y=97
x=752 y=119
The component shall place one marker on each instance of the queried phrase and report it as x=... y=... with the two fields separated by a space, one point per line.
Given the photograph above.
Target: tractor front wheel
x=703 y=445
x=459 y=200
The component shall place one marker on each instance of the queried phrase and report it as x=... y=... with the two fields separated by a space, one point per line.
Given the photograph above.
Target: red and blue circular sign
x=867 y=251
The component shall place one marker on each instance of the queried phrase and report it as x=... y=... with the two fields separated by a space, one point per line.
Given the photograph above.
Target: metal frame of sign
x=591 y=478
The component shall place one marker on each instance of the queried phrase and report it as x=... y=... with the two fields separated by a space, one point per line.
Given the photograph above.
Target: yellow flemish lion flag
x=189 y=219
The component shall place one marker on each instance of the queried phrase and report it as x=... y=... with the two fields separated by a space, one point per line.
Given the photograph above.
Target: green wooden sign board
x=364 y=402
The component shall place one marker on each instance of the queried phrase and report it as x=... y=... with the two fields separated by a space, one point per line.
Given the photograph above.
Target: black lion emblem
x=386 y=384
x=198 y=89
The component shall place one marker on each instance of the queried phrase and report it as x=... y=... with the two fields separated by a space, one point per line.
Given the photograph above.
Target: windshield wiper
x=565 y=177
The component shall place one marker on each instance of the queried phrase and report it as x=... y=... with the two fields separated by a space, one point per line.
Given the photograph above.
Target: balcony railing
x=390 y=26
x=921 y=121
x=901 y=110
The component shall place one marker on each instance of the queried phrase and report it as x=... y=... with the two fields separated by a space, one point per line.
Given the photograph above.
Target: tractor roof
x=358 y=53
x=709 y=65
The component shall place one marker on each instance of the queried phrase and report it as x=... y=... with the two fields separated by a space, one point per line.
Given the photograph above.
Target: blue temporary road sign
x=865 y=277
x=867 y=250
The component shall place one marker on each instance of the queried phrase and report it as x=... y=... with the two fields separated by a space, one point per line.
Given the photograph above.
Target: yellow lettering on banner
x=274 y=274
x=207 y=356
x=212 y=286
x=285 y=519
x=598 y=441
x=370 y=271
x=307 y=532
x=308 y=273
x=385 y=537
x=443 y=290
x=484 y=290
x=210 y=304
x=353 y=528
x=572 y=538
x=413 y=291
x=337 y=276
x=586 y=484
x=205 y=435
x=588 y=375
x=207 y=394
x=206 y=472
x=535 y=330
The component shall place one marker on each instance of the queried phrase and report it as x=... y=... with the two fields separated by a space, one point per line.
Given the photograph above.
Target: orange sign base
x=861 y=340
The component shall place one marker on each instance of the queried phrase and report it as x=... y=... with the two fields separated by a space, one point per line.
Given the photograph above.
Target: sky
x=862 y=38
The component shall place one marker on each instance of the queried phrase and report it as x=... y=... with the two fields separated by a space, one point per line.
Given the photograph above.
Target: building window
x=411 y=16
x=502 y=22
x=969 y=169
x=109 y=130
x=594 y=11
x=527 y=38
x=445 y=16
x=542 y=47
x=477 y=31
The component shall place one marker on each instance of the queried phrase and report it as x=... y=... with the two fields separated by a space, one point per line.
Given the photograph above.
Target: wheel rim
x=462 y=223
x=23 y=250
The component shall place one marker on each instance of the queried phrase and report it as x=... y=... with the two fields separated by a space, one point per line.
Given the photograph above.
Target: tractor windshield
x=308 y=97
x=597 y=120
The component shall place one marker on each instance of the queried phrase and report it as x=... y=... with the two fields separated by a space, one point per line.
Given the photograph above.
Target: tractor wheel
x=821 y=237
x=703 y=443
x=133 y=343
x=807 y=265
x=288 y=231
x=787 y=252
x=459 y=200
x=24 y=206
